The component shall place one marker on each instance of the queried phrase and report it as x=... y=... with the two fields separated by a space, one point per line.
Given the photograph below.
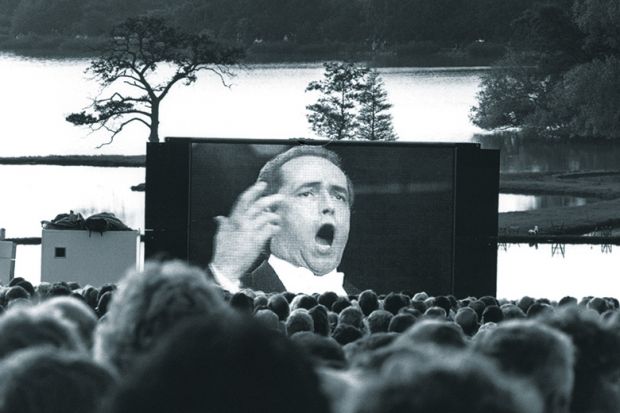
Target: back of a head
x=455 y=384
x=368 y=302
x=279 y=305
x=45 y=380
x=394 y=302
x=598 y=359
x=324 y=351
x=467 y=318
x=352 y=316
x=401 y=322
x=233 y=365
x=379 y=321
x=434 y=332
x=299 y=320
x=536 y=352
x=77 y=312
x=25 y=326
x=150 y=303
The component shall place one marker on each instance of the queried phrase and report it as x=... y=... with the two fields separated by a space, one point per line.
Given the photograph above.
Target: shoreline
x=575 y=220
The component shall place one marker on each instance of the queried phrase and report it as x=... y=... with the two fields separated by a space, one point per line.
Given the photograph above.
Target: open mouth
x=325 y=235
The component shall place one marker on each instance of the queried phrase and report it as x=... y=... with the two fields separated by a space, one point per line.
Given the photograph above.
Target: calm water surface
x=266 y=101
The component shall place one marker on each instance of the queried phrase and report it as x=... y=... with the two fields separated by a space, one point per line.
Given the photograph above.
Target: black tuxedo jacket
x=265 y=278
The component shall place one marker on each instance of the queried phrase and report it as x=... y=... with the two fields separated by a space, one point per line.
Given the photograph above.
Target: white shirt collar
x=302 y=280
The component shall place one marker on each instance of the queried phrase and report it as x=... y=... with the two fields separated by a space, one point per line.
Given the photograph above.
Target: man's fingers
x=266 y=218
x=266 y=203
x=248 y=197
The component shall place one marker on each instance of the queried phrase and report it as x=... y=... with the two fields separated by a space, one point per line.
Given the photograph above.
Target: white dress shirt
x=295 y=279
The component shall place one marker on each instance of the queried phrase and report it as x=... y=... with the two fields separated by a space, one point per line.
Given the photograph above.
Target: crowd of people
x=167 y=339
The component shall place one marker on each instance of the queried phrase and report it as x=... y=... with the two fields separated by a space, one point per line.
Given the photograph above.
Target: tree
x=127 y=70
x=374 y=122
x=333 y=115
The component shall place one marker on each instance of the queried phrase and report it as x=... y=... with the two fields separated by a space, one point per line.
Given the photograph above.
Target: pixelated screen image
x=401 y=222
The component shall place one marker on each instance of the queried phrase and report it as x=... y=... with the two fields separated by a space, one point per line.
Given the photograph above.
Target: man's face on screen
x=315 y=214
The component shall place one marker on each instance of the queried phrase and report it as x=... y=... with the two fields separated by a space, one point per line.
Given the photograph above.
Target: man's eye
x=305 y=194
x=340 y=197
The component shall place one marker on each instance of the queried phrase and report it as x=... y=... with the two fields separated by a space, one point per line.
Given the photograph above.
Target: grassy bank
x=604 y=185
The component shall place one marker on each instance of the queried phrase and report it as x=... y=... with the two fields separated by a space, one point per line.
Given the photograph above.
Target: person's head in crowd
x=242 y=303
x=16 y=292
x=105 y=288
x=478 y=306
x=419 y=305
x=358 y=351
x=525 y=302
x=613 y=302
x=327 y=298
x=320 y=320
x=90 y=294
x=567 y=300
x=492 y=313
x=299 y=320
x=260 y=301
x=303 y=301
x=598 y=304
x=150 y=303
x=59 y=289
x=410 y=310
x=323 y=351
x=46 y=380
x=368 y=302
x=379 y=321
x=467 y=318
x=435 y=332
x=352 y=316
x=539 y=309
x=25 y=284
x=455 y=384
x=289 y=296
x=73 y=285
x=346 y=333
x=597 y=365
x=489 y=300
x=512 y=312
x=42 y=290
x=340 y=304
x=332 y=318
x=436 y=312
x=420 y=296
x=394 y=302
x=24 y=326
x=221 y=364
x=401 y=322
x=268 y=319
x=279 y=305
x=443 y=302
x=103 y=303
x=315 y=213
x=531 y=350
x=75 y=311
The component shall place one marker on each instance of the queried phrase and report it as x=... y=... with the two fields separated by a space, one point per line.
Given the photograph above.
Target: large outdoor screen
x=424 y=216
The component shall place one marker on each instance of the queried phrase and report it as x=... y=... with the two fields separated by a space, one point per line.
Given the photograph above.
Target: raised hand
x=240 y=237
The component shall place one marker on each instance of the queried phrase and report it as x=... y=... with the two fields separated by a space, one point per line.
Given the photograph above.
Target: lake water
x=265 y=101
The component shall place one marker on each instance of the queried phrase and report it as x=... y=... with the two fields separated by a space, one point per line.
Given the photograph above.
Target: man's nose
x=328 y=205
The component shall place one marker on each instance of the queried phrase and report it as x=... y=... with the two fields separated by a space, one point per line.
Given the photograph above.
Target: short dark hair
x=270 y=172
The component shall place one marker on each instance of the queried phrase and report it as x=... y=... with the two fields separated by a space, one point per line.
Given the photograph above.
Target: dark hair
x=270 y=172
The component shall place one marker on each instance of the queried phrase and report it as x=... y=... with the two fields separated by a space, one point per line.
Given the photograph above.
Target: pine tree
x=333 y=115
x=374 y=122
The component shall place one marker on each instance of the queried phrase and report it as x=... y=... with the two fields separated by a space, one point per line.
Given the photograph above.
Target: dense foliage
x=561 y=76
x=352 y=104
x=376 y=23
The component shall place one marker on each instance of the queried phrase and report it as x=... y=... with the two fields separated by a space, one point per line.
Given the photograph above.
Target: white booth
x=88 y=257
x=7 y=259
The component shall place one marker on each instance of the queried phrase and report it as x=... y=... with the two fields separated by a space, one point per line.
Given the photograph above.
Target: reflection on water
x=515 y=202
x=583 y=270
x=544 y=155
